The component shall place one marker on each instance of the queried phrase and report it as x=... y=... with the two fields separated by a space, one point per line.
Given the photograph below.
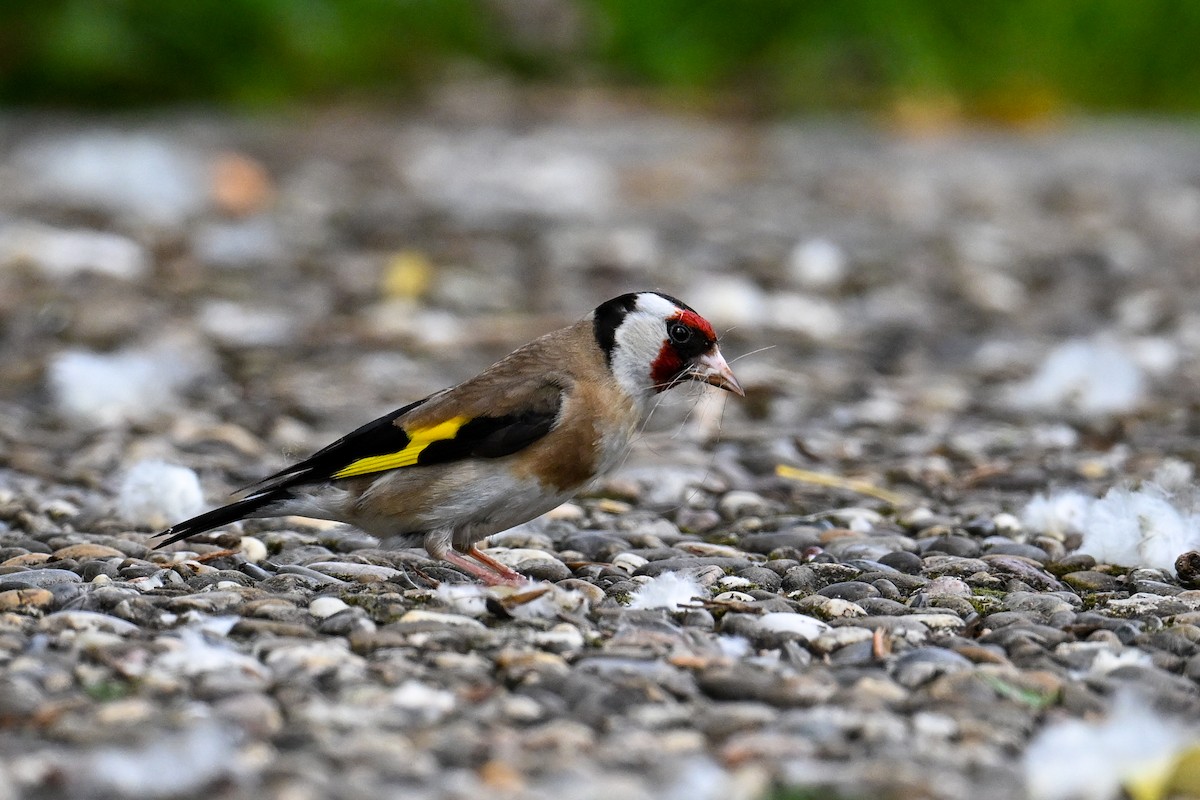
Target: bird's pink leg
x=492 y=577
x=510 y=574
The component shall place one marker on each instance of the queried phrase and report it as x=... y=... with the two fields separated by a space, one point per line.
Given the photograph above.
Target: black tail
x=217 y=517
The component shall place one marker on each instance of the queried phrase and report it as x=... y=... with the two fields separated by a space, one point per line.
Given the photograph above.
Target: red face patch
x=672 y=358
x=696 y=322
x=666 y=367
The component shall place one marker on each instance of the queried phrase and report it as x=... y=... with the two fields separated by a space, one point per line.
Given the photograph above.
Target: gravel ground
x=932 y=333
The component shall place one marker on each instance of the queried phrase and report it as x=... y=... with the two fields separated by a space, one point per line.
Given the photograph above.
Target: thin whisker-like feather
x=698 y=397
x=751 y=353
x=712 y=458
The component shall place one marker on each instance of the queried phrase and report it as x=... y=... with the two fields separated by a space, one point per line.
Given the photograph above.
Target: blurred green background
x=1010 y=60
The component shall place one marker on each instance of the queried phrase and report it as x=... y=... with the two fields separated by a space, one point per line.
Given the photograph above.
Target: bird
x=515 y=441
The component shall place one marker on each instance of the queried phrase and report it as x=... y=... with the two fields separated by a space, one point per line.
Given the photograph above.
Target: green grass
x=993 y=58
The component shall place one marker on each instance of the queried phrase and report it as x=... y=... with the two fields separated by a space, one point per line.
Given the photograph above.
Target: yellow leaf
x=407 y=276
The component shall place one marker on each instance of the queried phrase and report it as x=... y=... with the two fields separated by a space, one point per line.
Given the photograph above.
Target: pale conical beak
x=711 y=368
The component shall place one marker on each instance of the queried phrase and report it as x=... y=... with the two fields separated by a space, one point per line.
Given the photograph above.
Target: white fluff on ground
x=1092 y=377
x=1076 y=760
x=156 y=494
x=1140 y=527
x=464 y=598
x=1149 y=526
x=197 y=654
x=669 y=590
x=172 y=764
x=1057 y=514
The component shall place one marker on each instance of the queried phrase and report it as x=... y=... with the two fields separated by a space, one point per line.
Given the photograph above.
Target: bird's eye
x=679 y=333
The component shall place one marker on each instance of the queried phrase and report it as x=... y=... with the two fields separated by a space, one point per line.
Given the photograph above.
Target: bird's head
x=653 y=342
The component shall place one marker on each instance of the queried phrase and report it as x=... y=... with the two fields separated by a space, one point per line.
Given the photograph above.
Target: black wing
x=371 y=448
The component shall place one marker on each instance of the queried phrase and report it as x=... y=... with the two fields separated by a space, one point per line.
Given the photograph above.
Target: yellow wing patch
x=418 y=440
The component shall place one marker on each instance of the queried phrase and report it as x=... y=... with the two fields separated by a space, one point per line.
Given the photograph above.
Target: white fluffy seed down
x=669 y=590
x=1135 y=745
x=1149 y=526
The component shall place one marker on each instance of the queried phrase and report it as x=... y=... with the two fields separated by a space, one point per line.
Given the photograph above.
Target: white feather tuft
x=1144 y=527
x=1138 y=528
x=1093 y=377
x=465 y=598
x=1057 y=515
x=669 y=590
x=1075 y=760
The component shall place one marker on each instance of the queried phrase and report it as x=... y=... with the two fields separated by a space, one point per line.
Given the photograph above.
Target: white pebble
x=817 y=264
x=156 y=494
x=947 y=586
x=733 y=597
x=488 y=173
x=439 y=618
x=729 y=301
x=562 y=638
x=427 y=702
x=790 y=622
x=133 y=385
x=567 y=512
x=147 y=178
x=246 y=326
x=741 y=503
x=733 y=583
x=253 y=550
x=314 y=657
x=838 y=638
x=629 y=562
x=238 y=244
x=939 y=622
x=324 y=607
x=813 y=317
x=60 y=253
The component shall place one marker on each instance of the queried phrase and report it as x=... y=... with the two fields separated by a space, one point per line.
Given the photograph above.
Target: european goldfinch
x=515 y=441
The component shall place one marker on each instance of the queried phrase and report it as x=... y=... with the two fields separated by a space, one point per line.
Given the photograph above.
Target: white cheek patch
x=632 y=377
x=638 y=343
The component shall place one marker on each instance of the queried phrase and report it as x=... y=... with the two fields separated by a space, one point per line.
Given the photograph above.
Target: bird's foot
x=503 y=569
x=493 y=574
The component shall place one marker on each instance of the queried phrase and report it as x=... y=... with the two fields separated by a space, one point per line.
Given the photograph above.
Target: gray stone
x=919 y=666
x=849 y=590
x=38 y=578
